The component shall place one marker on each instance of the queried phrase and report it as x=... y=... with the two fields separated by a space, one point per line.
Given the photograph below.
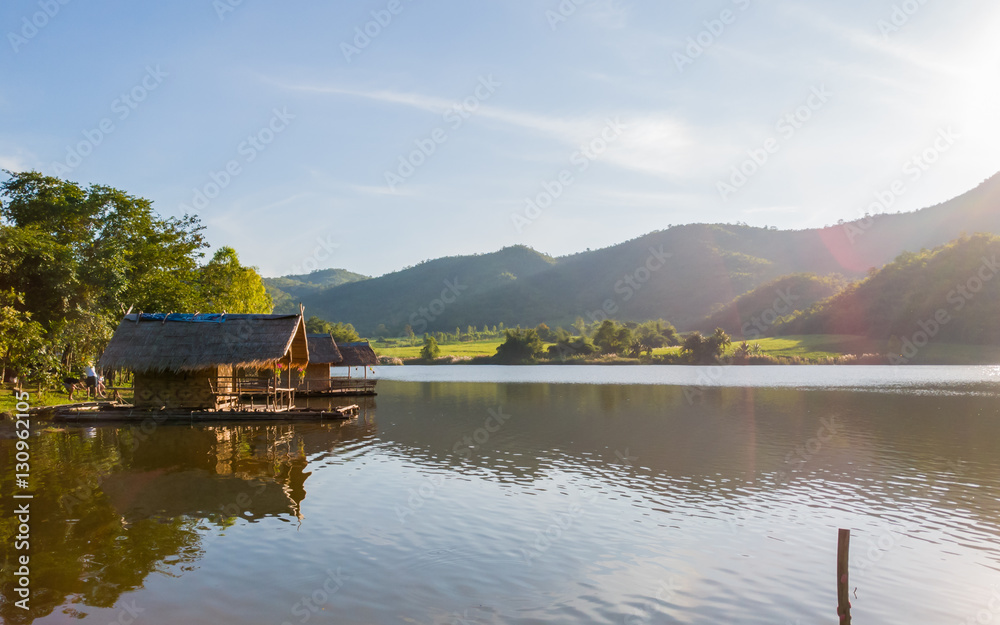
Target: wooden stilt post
x=843 y=558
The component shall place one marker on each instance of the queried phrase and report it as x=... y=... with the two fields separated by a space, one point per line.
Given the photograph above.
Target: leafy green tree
x=653 y=334
x=613 y=338
x=22 y=348
x=344 y=333
x=569 y=346
x=519 y=346
x=720 y=341
x=430 y=350
x=704 y=350
x=544 y=332
x=315 y=325
x=79 y=257
x=228 y=286
x=341 y=332
x=694 y=346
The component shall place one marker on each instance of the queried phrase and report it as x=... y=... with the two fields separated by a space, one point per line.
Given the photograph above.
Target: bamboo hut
x=323 y=353
x=357 y=354
x=208 y=362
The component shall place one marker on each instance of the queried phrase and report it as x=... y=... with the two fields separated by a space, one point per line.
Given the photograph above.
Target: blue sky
x=459 y=127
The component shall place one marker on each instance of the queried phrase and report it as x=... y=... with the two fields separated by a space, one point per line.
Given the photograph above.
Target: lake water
x=536 y=495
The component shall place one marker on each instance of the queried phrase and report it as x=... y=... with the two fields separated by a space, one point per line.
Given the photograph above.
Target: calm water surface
x=676 y=495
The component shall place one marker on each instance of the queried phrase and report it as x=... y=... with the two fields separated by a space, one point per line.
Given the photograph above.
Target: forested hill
x=428 y=291
x=754 y=313
x=286 y=291
x=680 y=274
x=950 y=293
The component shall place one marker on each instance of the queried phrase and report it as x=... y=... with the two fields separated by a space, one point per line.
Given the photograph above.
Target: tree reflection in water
x=114 y=504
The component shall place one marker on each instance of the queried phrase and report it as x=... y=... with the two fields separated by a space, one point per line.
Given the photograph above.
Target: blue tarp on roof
x=212 y=318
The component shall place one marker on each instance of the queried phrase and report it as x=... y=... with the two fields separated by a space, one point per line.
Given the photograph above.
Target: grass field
x=812 y=346
x=818 y=345
x=486 y=347
x=8 y=402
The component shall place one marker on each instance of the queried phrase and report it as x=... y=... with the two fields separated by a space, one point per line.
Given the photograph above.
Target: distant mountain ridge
x=287 y=290
x=681 y=274
x=950 y=293
x=754 y=313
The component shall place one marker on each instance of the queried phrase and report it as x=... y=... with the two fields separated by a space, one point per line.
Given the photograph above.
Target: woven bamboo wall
x=180 y=390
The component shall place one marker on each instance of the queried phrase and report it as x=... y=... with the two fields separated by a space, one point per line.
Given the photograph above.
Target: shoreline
x=780 y=361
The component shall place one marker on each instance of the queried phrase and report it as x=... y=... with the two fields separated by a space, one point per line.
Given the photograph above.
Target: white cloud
x=13 y=163
x=652 y=143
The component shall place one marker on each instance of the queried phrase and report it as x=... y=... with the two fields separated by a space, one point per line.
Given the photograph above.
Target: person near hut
x=91 y=376
x=72 y=384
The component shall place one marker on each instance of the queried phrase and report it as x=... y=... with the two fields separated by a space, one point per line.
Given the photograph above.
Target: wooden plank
x=138 y=416
x=843 y=586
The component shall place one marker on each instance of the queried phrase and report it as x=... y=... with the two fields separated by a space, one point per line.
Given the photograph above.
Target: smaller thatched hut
x=200 y=362
x=357 y=354
x=323 y=353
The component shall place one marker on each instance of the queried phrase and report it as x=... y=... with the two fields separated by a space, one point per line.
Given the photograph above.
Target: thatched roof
x=357 y=354
x=160 y=342
x=323 y=350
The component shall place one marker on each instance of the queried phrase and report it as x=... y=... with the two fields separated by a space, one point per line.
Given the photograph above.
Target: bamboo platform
x=336 y=387
x=338 y=392
x=111 y=413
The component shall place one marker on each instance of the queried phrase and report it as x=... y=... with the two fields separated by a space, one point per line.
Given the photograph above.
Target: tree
x=430 y=350
x=344 y=333
x=22 y=348
x=613 y=338
x=519 y=346
x=694 y=345
x=341 y=332
x=228 y=286
x=720 y=341
x=79 y=257
x=544 y=332
x=705 y=350
x=569 y=346
x=653 y=334
x=315 y=325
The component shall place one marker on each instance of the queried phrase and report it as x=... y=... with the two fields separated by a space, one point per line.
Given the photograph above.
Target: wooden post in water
x=843 y=557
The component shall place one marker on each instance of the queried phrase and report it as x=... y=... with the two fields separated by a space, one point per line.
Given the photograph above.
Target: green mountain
x=681 y=274
x=950 y=294
x=427 y=296
x=753 y=314
x=287 y=291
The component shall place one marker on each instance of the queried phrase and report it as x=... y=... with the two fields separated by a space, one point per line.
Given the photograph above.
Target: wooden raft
x=107 y=413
